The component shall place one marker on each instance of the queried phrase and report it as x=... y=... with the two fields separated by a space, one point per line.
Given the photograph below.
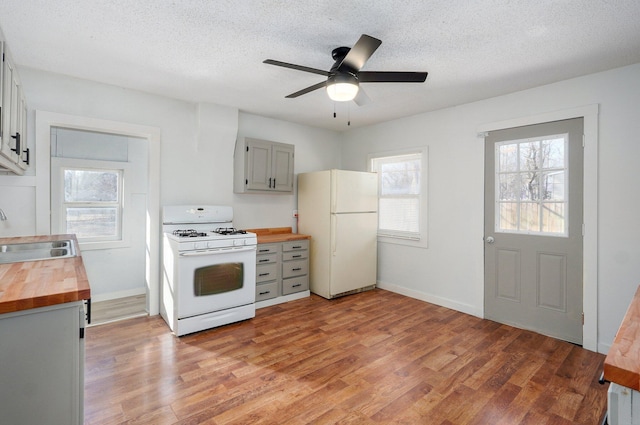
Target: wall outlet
x=295 y=213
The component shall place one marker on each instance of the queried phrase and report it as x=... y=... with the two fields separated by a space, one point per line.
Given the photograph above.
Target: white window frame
x=58 y=216
x=419 y=240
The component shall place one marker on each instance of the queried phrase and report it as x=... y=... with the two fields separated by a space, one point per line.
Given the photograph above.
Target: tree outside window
x=93 y=203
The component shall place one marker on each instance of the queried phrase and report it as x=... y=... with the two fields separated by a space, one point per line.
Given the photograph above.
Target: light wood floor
x=370 y=358
x=119 y=309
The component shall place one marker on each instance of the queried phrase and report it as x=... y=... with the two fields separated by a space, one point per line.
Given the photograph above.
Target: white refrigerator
x=339 y=210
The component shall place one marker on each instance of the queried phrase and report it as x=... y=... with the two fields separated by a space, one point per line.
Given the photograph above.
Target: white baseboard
x=282 y=299
x=119 y=294
x=423 y=296
x=603 y=348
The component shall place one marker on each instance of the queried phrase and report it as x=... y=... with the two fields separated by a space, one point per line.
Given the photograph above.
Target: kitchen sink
x=35 y=251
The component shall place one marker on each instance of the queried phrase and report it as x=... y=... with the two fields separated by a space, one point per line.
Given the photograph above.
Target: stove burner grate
x=189 y=233
x=229 y=231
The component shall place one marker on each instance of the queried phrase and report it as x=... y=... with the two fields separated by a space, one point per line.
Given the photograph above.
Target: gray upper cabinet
x=261 y=166
x=14 y=154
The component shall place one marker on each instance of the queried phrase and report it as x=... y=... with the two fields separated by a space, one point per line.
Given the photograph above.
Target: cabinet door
x=22 y=129
x=282 y=167
x=8 y=94
x=258 y=162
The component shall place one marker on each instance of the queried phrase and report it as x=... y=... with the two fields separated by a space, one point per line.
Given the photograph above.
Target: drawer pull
x=297 y=269
x=265 y=293
x=264 y=274
x=296 y=247
x=296 y=285
x=296 y=256
x=264 y=250
x=266 y=260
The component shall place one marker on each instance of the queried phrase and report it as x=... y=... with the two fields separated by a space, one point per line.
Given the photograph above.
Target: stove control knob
x=238 y=242
x=197 y=245
x=211 y=244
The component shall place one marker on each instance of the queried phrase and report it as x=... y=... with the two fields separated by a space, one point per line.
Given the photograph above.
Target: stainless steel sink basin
x=35 y=251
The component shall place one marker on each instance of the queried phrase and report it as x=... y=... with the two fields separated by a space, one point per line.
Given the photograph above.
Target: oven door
x=215 y=279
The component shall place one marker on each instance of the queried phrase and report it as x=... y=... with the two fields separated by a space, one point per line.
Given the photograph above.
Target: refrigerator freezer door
x=353 y=191
x=353 y=251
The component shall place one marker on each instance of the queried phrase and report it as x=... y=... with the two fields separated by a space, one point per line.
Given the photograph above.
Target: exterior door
x=533 y=228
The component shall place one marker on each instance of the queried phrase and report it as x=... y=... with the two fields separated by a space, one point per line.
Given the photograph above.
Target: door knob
x=490 y=239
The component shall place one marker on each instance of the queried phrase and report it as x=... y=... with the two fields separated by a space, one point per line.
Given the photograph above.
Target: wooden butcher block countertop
x=277 y=234
x=42 y=283
x=622 y=364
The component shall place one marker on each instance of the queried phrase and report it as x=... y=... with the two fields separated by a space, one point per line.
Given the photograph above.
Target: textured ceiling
x=212 y=50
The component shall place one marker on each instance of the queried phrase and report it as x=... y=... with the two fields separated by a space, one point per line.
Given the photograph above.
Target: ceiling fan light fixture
x=342 y=87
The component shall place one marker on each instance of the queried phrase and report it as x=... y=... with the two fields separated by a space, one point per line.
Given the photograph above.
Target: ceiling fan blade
x=359 y=53
x=361 y=98
x=296 y=67
x=391 y=77
x=307 y=90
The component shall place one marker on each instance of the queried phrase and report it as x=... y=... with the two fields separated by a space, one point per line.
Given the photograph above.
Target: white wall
x=450 y=271
x=315 y=149
x=196 y=166
x=196 y=153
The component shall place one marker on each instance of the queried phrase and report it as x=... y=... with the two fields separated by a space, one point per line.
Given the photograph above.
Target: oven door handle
x=217 y=251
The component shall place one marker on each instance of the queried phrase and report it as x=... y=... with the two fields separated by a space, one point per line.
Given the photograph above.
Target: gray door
x=533 y=228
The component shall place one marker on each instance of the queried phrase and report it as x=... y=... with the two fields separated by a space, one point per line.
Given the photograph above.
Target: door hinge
x=81 y=333
x=583 y=140
x=583 y=229
x=583 y=318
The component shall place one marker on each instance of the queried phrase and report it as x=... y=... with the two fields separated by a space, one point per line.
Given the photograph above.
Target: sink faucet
x=3 y=216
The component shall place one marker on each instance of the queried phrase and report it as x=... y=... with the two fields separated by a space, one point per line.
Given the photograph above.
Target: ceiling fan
x=344 y=77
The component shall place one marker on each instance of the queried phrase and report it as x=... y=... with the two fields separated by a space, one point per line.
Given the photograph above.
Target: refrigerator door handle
x=334 y=236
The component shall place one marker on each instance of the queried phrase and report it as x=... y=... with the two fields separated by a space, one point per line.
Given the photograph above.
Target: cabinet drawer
x=266 y=259
x=295 y=245
x=266 y=272
x=295 y=255
x=295 y=268
x=266 y=291
x=268 y=248
x=295 y=284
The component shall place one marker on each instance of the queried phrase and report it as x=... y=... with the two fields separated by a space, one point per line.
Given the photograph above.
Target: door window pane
x=531 y=185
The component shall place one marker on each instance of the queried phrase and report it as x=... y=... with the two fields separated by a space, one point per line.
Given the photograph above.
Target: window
x=92 y=204
x=531 y=183
x=401 y=197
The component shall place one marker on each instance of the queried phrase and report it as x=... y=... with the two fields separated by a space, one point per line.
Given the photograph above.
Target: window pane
x=529 y=217
x=530 y=188
x=529 y=156
x=508 y=219
x=90 y=186
x=400 y=178
x=399 y=214
x=509 y=187
x=92 y=222
x=530 y=185
x=553 y=186
x=553 y=217
x=553 y=153
x=508 y=157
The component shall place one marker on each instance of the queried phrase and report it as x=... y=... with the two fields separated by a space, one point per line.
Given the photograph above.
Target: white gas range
x=209 y=268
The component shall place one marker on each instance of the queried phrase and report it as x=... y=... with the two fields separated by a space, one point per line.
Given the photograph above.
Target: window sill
x=93 y=246
x=416 y=243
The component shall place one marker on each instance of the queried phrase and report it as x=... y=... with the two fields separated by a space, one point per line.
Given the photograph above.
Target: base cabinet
x=42 y=365
x=282 y=269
